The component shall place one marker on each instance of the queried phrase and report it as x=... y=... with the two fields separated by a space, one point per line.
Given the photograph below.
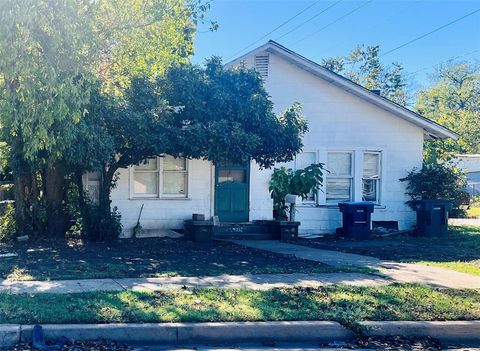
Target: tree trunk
x=22 y=187
x=22 y=183
x=105 y=188
x=54 y=193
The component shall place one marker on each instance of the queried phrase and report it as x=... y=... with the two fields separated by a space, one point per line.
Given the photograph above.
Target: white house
x=366 y=142
x=470 y=164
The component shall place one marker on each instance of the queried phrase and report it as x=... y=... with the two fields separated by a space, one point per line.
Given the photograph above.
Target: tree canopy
x=53 y=53
x=229 y=115
x=363 y=66
x=453 y=101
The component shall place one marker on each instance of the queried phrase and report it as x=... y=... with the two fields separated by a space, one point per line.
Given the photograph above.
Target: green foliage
x=98 y=225
x=42 y=74
x=363 y=66
x=300 y=182
x=8 y=228
x=453 y=102
x=229 y=114
x=144 y=37
x=53 y=53
x=438 y=181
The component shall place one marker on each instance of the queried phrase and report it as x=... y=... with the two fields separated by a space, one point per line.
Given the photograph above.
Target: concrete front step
x=249 y=230
x=238 y=228
x=244 y=236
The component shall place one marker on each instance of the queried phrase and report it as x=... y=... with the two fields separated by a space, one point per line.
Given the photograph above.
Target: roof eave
x=431 y=128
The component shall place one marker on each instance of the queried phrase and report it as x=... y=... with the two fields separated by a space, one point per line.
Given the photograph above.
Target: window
x=339 y=177
x=371 y=177
x=174 y=176
x=303 y=160
x=160 y=177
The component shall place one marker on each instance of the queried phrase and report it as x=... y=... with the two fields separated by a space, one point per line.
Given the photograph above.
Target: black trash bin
x=432 y=217
x=357 y=219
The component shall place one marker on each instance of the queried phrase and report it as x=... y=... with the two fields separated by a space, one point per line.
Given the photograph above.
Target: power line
x=275 y=29
x=335 y=21
x=431 y=32
x=372 y=24
x=308 y=20
x=445 y=61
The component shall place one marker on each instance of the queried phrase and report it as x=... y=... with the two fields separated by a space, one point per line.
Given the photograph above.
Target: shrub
x=101 y=225
x=8 y=228
x=438 y=181
x=90 y=220
x=301 y=182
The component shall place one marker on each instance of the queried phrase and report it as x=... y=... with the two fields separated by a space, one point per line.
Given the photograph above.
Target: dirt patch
x=152 y=257
x=462 y=244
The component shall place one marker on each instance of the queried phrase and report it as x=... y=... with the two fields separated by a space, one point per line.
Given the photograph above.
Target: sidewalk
x=400 y=272
x=256 y=282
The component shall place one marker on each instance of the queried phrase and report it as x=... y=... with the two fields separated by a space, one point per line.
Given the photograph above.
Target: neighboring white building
x=470 y=163
x=366 y=142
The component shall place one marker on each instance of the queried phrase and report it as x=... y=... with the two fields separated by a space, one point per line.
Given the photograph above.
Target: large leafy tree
x=229 y=114
x=50 y=53
x=44 y=86
x=363 y=66
x=209 y=112
x=453 y=101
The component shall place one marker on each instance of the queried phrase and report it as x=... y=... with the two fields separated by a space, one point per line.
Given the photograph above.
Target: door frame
x=245 y=167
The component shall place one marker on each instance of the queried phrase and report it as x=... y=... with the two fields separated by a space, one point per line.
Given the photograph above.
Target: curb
x=184 y=333
x=458 y=331
x=242 y=332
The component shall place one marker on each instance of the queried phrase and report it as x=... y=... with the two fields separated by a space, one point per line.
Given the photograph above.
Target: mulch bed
x=402 y=247
x=74 y=259
x=399 y=343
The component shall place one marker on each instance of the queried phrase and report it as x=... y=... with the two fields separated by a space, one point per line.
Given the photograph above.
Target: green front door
x=231 y=192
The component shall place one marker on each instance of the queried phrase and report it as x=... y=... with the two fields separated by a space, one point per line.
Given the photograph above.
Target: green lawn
x=339 y=303
x=473 y=212
x=472 y=267
x=466 y=238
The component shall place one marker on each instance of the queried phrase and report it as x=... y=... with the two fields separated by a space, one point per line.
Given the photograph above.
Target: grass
x=155 y=257
x=459 y=266
x=338 y=303
x=459 y=251
x=473 y=212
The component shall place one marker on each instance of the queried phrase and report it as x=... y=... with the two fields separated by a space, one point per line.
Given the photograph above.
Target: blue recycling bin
x=357 y=219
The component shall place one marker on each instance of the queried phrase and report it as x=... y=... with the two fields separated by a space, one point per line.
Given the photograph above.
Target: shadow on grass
x=347 y=305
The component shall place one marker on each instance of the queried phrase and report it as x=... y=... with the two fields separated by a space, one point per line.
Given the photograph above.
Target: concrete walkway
x=400 y=272
x=256 y=282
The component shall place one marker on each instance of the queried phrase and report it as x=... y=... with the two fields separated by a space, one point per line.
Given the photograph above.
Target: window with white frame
x=303 y=160
x=371 y=176
x=339 y=177
x=160 y=177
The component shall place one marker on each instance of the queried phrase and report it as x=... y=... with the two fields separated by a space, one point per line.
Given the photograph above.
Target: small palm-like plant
x=300 y=182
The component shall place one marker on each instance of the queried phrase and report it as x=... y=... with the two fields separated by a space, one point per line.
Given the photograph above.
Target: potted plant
x=284 y=185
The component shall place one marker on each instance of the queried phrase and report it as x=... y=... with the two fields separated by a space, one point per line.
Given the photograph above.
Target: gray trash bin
x=432 y=217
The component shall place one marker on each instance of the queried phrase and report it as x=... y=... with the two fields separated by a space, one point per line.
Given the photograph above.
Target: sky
x=330 y=28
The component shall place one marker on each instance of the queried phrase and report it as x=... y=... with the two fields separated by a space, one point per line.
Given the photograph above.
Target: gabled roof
x=431 y=128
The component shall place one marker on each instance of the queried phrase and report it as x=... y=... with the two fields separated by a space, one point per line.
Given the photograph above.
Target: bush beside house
x=438 y=181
